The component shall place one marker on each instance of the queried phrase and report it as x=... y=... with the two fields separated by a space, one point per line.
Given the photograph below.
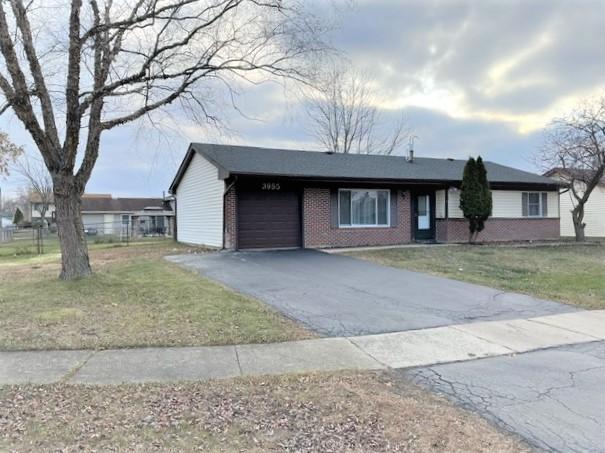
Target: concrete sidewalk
x=393 y=350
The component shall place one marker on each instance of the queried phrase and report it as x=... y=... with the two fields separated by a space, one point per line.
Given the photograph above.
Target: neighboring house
x=34 y=210
x=104 y=215
x=594 y=210
x=239 y=197
x=6 y=220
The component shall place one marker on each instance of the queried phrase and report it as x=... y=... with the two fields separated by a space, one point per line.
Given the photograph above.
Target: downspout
x=174 y=233
x=447 y=213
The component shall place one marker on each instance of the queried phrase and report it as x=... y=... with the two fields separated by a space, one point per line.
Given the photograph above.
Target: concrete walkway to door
x=336 y=295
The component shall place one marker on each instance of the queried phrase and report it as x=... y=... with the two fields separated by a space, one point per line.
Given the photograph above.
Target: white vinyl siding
x=108 y=224
x=453 y=205
x=199 y=204
x=594 y=213
x=35 y=211
x=505 y=204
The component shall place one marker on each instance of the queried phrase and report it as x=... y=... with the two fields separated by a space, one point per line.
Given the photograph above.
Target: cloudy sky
x=471 y=77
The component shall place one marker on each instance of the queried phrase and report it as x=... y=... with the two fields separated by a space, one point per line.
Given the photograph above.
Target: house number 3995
x=270 y=186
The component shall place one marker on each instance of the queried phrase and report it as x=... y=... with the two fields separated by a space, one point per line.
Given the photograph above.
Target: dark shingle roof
x=107 y=204
x=264 y=161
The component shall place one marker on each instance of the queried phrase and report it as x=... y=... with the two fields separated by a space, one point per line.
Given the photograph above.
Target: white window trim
x=541 y=214
x=376 y=225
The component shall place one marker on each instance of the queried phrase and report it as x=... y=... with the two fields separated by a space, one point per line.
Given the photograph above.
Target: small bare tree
x=575 y=150
x=40 y=184
x=72 y=70
x=344 y=119
x=9 y=152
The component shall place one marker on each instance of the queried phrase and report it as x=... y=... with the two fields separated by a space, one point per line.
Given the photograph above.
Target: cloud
x=472 y=77
x=514 y=61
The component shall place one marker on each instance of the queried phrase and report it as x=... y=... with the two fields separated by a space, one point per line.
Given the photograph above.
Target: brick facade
x=319 y=232
x=497 y=229
x=230 y=219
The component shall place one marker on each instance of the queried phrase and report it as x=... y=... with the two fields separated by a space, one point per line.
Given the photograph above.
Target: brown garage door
x=268 y=219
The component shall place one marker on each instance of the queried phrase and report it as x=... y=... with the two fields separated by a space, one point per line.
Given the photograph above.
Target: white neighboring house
x=34 y=210
x=6 y=222
x=104 y=215
x=594 y=210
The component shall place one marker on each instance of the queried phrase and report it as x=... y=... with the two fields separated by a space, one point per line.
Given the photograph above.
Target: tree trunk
x=74 y=251
x=577 y=215
x=471 y=231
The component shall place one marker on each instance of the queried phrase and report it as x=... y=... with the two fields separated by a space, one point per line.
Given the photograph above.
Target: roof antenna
x=410 y=157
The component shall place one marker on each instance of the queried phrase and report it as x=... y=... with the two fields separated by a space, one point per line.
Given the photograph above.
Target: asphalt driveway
x=553 y=398
x=337 y=295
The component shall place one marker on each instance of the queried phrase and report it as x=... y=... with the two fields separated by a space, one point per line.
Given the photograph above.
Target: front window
x=360 y=207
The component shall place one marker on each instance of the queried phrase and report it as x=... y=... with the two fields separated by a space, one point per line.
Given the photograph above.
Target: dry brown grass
x=352 y=412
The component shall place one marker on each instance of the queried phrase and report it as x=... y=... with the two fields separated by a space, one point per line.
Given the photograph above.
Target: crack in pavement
x=552 y=398
x=72 y=372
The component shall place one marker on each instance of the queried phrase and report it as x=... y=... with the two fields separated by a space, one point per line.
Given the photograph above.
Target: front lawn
x=135 y=298
x=573 y=274
x=353 y=412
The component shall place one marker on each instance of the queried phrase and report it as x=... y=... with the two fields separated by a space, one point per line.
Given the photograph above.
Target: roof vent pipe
x=410 y=157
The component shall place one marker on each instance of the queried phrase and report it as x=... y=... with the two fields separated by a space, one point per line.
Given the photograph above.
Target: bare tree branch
x=344 y=118
x=17 y=92
x=41 y=90
x=574 y=151
x=9 y=152
x=128 y=59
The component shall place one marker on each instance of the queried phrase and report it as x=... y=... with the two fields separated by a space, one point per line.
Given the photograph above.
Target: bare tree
x=9 y=152
x=344 y=117
x=575 y=151
x=39 y=182
x=70 y=73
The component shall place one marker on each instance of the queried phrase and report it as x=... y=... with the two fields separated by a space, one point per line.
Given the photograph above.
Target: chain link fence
x=129 y=230
x=37 y=240
x=25 y=241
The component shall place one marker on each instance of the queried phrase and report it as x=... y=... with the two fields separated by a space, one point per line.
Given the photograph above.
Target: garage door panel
x=268 y=219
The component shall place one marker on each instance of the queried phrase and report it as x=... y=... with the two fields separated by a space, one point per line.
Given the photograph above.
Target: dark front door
x=424 y=218
x=268 y=219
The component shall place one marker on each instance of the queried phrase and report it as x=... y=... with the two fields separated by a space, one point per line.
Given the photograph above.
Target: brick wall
x=318 y=232
x=498 y=229
x=230 y=227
